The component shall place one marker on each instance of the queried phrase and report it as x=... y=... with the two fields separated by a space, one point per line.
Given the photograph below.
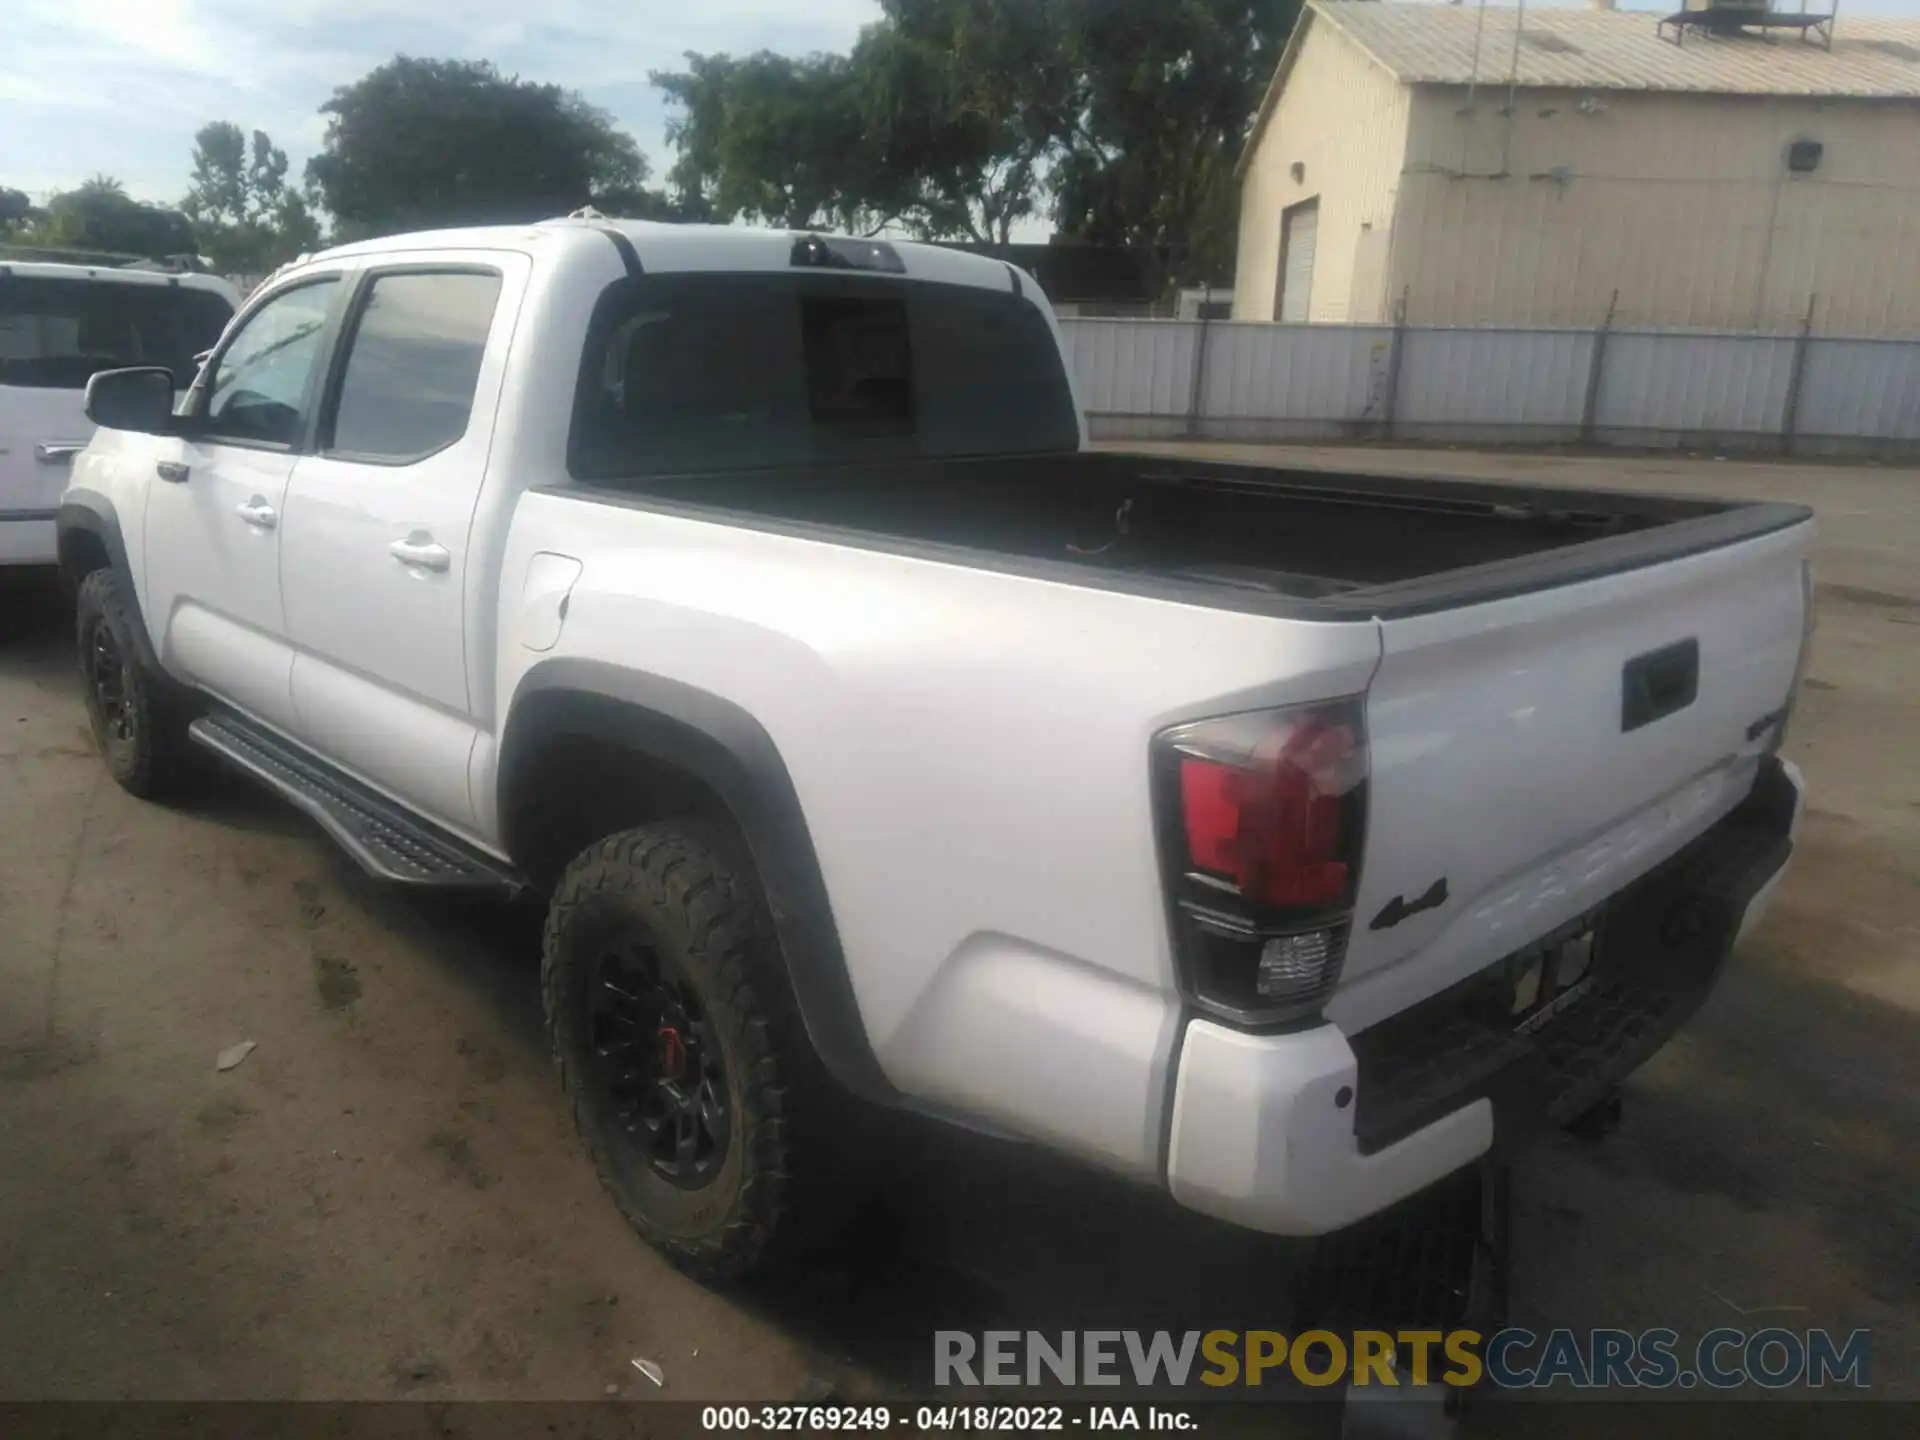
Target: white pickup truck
x=1283 y=840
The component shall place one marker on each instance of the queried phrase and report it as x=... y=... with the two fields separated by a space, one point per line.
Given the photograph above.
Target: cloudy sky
x=120 y=86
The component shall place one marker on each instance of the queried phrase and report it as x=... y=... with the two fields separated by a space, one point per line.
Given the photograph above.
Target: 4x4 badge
x=1396 y=909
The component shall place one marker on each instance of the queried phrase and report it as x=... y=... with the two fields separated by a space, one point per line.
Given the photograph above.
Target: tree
x=421 y=143
x=965 y=100
x=961 y=118
x=772 y=139
x=245 y=217
x=939 y=120
x=100 y=216
x=24 y=224
x=1171 y=92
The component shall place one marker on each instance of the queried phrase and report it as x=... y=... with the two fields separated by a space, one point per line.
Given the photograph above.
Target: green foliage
x=1171 y=90
x=773 y=139
x=96 y=220
x=959 y=118
x=940 y=121
x=36 y=229
x=99 y=216
x=245 y=217
x=417 y=144
x=964 y=101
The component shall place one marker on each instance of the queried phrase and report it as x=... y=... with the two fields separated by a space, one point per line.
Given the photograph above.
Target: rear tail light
x=1779 y=736
x=1263 y=817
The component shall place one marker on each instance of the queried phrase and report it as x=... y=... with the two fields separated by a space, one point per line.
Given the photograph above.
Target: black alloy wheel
x=108 y=682
x=657 y=1066
x=139 y=716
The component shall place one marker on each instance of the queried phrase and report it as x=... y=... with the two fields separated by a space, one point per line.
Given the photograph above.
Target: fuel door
x=543 y=599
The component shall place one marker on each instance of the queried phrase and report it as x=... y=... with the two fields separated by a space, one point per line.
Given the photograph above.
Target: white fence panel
x=1864 y=388
x=1296 y=372
x=1535 y=378
x=1132 y=367
x=1684 y=384
x=1136 y=378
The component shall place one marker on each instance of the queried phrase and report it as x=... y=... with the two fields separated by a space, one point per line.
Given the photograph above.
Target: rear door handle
x=57 y=452
x=258 y=513
x=421 y=551
x=171 y=471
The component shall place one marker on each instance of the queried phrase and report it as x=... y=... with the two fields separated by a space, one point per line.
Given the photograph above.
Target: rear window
x=687 y=373
x=56 y=333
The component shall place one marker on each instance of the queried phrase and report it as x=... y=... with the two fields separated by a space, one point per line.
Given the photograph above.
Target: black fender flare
x=727 y=750
x=88 y=512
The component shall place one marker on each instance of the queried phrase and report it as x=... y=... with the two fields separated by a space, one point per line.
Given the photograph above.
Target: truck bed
x=1379 y=543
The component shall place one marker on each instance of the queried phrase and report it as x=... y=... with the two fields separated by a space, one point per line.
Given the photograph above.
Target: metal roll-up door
x=1299 y=232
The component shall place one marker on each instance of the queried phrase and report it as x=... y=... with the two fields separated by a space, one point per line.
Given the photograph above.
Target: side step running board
x=387 y=843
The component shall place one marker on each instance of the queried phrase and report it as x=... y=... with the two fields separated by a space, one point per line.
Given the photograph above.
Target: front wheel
x=678 y=1045
x=139 y=717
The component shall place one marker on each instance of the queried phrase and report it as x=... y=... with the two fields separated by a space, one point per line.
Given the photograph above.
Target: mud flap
x=1437 y=1262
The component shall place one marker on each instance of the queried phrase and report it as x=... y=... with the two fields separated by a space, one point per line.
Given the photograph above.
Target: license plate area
x=1537 y=983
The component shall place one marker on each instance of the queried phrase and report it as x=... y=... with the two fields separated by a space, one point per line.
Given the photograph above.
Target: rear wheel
x=680 y=1048
x=139 y=717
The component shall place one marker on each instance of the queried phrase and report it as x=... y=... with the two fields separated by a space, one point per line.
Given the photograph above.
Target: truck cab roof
x=661 y=246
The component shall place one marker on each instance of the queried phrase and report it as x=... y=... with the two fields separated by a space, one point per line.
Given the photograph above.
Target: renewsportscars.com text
x=1513 y=1358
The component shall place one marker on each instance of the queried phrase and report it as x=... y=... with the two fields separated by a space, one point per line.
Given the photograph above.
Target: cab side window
x=259 y=387
x=412 y=363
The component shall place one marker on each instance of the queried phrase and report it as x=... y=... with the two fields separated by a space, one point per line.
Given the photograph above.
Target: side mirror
x=140 y=399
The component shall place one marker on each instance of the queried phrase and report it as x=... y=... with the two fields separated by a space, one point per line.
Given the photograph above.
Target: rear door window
x=412 y=364
x=704 y=372
x=57 y=333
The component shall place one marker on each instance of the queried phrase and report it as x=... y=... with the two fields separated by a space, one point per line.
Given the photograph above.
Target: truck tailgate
x=1532 y=755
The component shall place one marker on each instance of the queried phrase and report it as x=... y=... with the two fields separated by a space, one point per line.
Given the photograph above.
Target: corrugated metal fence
x=1151 y=379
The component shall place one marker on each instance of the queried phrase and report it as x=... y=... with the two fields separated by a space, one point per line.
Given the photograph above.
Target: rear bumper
x=1304 y=1133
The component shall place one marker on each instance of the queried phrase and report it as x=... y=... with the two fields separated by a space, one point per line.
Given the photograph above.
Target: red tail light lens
x=1264 y=815
x=1277 y=825
x=1275 y=818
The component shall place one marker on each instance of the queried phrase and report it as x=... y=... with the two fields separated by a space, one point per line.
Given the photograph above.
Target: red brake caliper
x=673 y=1052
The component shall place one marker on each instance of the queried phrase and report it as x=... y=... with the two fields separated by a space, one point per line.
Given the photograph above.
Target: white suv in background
x=59 y=325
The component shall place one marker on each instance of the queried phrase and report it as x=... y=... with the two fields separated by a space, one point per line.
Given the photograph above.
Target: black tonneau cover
x=1309 y=544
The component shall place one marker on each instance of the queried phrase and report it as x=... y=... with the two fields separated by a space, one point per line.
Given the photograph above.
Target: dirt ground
x=384 y=1199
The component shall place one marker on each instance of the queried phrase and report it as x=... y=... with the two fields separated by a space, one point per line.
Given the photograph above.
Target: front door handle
x=421 y=551
x=258 y=513
x=171 y=471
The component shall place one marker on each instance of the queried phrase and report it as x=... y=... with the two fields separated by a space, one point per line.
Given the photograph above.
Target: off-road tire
x=142 y=728
x=689 y=891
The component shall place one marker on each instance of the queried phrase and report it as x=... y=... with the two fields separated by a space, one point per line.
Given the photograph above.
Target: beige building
x=1496 y=178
